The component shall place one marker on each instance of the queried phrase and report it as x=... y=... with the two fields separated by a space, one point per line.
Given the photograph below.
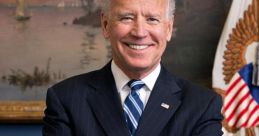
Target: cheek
x=119 y=31
x=159 y=35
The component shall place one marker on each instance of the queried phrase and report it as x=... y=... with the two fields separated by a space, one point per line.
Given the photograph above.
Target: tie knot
x=135 y=85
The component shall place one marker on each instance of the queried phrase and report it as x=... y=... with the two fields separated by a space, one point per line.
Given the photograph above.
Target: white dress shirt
x=121 y=80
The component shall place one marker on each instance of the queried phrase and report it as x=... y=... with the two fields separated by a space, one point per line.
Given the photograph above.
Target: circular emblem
x=244 y=34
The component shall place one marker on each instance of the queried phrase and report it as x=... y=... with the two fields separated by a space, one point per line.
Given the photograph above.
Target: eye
x=126 y=19
x=153 y=20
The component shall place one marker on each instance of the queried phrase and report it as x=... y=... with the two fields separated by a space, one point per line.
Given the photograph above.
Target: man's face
x=138 y=31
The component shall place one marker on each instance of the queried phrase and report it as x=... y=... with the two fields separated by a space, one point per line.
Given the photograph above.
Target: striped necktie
x=133 y=106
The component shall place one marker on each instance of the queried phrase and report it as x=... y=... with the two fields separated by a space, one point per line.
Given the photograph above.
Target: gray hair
x=171 y=8
x=105 y=6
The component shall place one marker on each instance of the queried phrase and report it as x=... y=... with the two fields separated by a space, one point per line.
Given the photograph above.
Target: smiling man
x=138 y=32
x=133 y=95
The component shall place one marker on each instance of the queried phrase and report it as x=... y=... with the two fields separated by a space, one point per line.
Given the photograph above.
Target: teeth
x=138 y=47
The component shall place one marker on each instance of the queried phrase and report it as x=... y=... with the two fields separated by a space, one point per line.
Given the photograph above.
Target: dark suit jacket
x=89 y=105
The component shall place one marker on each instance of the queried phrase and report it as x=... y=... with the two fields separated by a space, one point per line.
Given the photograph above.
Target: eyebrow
x=125 y=14
x=153 y=15
x=129 y=13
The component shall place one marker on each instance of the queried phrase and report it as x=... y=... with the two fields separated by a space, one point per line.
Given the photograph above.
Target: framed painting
x=42 y=43
x=46 y=41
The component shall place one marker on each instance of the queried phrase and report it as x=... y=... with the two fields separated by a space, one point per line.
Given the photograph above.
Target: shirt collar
x=151 y=78
x=121 y=79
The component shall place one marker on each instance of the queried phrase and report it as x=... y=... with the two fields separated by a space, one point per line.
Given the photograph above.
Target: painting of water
x=36 y=53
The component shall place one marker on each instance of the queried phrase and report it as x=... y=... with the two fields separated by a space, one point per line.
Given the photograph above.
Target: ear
x=104 y=23
x=170 y=28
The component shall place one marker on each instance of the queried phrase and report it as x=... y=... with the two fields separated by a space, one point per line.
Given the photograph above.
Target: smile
x=137 y=47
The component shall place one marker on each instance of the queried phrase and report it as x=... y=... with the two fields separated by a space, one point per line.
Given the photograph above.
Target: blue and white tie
x=133 y=106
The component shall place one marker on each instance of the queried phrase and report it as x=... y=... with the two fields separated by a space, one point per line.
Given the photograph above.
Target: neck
x=137 y=73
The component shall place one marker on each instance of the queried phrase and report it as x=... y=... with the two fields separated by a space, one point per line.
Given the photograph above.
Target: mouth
x=138 y=46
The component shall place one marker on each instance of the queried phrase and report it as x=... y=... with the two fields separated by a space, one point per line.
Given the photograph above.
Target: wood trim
x=21 y=111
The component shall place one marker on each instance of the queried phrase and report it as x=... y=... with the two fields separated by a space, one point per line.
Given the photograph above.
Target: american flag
x=241 y=104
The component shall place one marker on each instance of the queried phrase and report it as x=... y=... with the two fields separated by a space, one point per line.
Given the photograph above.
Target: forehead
x=140 y=5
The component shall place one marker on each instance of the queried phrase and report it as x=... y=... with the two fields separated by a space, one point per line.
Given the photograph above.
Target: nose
x=139 y=29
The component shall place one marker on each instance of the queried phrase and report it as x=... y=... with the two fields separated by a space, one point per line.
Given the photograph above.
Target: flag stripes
x=240 y=108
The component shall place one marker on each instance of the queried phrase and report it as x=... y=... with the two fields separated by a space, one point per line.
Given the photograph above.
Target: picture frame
x=45 y=42
x=22 y=111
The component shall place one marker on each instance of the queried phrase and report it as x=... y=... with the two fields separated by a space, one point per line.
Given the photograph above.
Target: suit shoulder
x=199 y=97
x=189 y=90
x=196 y=91
x=77 y=81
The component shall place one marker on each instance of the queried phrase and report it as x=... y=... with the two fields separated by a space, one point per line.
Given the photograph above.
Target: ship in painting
x=20 y=13
x=61 y=4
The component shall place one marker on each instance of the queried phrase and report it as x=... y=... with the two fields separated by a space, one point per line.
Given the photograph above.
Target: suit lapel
x=106 y=104
x=162 y=104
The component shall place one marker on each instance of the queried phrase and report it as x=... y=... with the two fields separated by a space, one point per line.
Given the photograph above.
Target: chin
x=139 y=67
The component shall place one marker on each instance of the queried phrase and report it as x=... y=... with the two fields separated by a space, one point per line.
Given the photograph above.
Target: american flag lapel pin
x=164 y=105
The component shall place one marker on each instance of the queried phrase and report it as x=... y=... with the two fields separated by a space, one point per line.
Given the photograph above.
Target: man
x=105 y=103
